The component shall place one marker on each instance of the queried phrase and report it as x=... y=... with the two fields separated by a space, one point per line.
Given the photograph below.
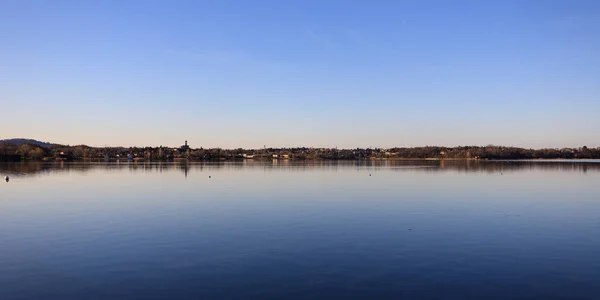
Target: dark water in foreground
x=424 y=230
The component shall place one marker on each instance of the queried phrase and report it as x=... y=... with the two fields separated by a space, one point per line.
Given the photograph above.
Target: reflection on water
x=301 y=230
x=39 y=168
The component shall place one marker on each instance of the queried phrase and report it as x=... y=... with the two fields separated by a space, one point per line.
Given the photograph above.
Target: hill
x=22 y=141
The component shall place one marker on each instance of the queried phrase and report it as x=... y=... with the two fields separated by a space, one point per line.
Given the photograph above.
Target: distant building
x=184 y=148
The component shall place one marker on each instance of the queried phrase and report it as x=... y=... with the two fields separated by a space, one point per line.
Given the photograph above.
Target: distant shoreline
x=38 y=151
x=183 y=160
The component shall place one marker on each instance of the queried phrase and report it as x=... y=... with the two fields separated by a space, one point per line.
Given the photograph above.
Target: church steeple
x=185 y=147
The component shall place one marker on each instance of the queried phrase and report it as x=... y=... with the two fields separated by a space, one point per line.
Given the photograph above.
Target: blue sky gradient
x=301 y=73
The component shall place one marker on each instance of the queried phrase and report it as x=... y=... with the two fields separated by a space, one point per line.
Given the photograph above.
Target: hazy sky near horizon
x=301 y=73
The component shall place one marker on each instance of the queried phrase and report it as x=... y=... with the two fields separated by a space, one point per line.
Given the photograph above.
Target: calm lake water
x=370 y=230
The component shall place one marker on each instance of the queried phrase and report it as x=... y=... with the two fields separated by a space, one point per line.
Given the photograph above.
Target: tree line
x=26 y=151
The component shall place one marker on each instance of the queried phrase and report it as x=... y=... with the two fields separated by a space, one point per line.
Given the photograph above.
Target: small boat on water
x=6 y=179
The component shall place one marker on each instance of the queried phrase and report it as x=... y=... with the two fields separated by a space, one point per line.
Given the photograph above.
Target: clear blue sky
x=301 y=73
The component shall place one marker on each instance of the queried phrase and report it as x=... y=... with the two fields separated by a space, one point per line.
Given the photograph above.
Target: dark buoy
x=6 y=179
x=369 y=174
x=410 y=229
x=209 y=176
x=500 y=173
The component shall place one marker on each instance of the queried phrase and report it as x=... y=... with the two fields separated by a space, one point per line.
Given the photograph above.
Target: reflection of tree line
x=517 y=166
x=40 y=168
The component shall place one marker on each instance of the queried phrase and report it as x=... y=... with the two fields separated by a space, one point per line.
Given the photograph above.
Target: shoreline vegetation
x=36 y=151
